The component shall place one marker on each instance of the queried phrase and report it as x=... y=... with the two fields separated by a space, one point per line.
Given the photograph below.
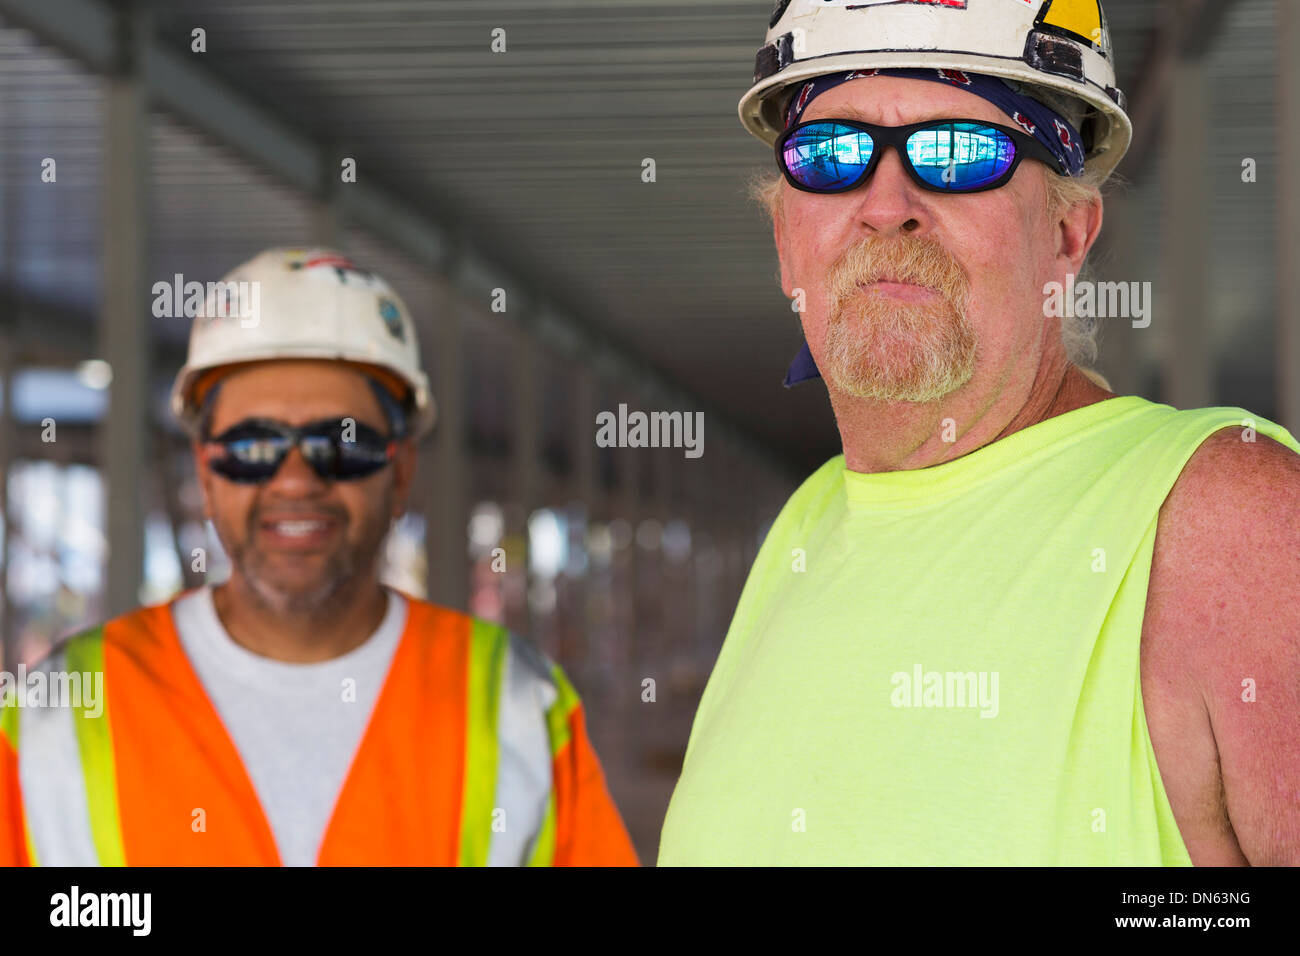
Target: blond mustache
x=922 y=262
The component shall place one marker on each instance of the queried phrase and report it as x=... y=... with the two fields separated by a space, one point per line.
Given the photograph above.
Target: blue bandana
x=1041 y=122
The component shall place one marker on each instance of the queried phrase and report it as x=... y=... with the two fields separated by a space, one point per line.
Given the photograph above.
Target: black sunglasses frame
x=897 y=136
x=296 y=435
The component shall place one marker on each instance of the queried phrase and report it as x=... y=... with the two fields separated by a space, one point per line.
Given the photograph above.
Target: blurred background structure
x=128 y=157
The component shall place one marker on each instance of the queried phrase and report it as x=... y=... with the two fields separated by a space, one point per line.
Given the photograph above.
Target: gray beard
x=858 y=340
x=311 y=602
x=339 y=578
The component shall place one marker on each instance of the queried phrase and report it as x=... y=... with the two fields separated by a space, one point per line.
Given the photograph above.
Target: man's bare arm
x=1236 y=508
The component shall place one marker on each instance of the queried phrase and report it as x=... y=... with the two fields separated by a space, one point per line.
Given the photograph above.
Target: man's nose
x=889 y=201
x=295 y=476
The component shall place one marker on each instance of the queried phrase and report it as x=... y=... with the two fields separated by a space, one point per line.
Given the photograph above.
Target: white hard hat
x=303 y=304
x=1050 y=47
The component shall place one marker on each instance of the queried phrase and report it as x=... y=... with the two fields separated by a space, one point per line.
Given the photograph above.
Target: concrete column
x=8 y=443
x=1187 y=363
x=1288 y=211
x=739 y=520
x=9 y=345
x=327 y=221
x=628 y=507
x=586 y=479
x=666 y=463
x=326 y=225
x=587 y=491
x=444 y=465
x=525 y=439
x=726 y=535
x=525 y=467
x=125 y=335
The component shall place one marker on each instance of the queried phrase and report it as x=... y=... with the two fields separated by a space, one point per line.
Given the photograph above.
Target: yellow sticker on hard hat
x=1076 y=19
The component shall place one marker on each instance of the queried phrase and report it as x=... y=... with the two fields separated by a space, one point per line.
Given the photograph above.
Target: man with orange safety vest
x=301 y=713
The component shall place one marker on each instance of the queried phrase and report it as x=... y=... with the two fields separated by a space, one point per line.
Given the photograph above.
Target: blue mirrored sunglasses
x=947 y=156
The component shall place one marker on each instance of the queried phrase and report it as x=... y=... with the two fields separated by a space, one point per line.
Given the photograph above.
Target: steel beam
x=124 y=330
x=446 y=479
x=1188 y=373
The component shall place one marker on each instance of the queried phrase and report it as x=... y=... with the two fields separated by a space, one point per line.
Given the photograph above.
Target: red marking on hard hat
x=337 y=262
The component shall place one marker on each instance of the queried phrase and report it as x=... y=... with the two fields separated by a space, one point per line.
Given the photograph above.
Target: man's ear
x=1077 y=231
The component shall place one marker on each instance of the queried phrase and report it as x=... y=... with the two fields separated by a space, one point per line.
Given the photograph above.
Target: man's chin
x=295 y=599
x=917 y=358
x=886 y=381
x=296 y=587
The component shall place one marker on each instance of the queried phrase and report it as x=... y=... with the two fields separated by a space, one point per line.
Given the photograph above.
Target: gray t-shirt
x=296 y=726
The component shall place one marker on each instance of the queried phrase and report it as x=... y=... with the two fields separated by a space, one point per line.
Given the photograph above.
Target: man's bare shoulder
x=1224 y=604
x=1229 y=487
x=1234 y=498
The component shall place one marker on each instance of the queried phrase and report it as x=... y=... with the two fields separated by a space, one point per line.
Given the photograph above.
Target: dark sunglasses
x=947 y=156
x=339 y=449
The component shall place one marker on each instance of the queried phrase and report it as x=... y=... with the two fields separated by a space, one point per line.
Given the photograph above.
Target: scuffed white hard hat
x=1052 y=48
x=303 y=304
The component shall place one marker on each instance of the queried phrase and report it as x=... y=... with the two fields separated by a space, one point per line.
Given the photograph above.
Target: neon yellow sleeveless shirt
x=940 y=666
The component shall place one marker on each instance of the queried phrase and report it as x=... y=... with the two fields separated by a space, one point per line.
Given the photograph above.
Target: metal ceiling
x=535 y=155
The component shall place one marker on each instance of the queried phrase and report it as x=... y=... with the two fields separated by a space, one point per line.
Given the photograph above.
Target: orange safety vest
x=155 y=780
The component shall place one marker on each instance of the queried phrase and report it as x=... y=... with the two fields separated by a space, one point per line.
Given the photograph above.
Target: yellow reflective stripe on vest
x=9 y=717
x=487 y=651
x=65 y=766
x=557 y=717
x=560 y=733
x=507 y=815
x=85 y=654
x=524 y=784
x=544 y=851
